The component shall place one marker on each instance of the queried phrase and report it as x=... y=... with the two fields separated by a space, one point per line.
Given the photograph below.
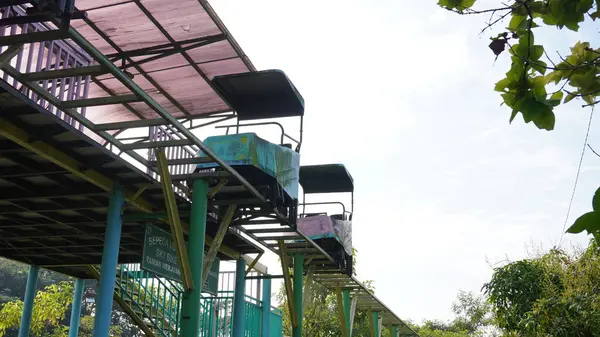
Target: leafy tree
x=536 y=83
x=472 y=312
x=49 y=310
x=555 y=295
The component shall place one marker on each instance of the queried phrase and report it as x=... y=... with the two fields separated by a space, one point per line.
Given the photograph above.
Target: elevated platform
x=55 y=218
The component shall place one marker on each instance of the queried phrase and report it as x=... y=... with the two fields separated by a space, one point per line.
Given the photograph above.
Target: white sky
x=401 y=92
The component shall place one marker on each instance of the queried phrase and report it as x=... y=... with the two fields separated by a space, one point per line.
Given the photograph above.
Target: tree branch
x=594 y=151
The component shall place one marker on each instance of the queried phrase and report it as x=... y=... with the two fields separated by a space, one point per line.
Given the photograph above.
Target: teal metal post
x=266 y=308
x=30 y=289
x=238 y=298
x=190 y=312
x=76 y=308
x=394 y=331
x=298 y=292
x=376 y=323
x=110 y=257
x=346 y=302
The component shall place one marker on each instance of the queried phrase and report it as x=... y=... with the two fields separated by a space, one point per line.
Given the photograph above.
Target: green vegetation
x=536 y=83
x=52 y=305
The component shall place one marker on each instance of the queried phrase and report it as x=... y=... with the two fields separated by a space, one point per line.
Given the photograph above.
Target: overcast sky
x=401 y=92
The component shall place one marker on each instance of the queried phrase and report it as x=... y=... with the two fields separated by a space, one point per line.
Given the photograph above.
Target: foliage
x=590 y=221
x=50 y=306
x=555 y=295
x=472 y=312
x=534 y=87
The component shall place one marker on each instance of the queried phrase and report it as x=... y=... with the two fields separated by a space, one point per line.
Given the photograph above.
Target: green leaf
x=569 y=98
x=539 y=66
x=557 y=95
x=536 y=52
x=502 y=84
x=515 y=22
x=546 y=120
x=596 y=201
x=589 y=221
x=539 y=87
x=584 y=5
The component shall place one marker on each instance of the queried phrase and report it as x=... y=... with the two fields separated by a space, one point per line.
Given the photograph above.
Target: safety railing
x=157 y=300
x=44 y=56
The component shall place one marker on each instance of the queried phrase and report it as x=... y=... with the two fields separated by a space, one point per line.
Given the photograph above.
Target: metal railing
x=157 y=300
x=44 y=56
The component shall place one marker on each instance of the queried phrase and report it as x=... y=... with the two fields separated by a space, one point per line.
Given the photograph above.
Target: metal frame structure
x=56 y=98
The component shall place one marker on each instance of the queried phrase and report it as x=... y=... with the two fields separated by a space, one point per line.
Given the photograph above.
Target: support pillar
x=190 y=307
x=376 y=331
x=298 y=287
x=239 y=298
x=266 y=308
x=30 y=290
x=394 y=331
x=108 y=271
x=76 y=308
x=347 y=313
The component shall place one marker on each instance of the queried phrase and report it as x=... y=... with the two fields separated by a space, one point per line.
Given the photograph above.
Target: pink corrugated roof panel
x=179 y=82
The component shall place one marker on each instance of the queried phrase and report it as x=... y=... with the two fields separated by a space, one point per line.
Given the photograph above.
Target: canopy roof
x=172 y=48
x=261 y=94
x=330 y=178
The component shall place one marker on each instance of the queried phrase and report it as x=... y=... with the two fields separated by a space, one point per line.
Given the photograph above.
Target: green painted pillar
x=190 y=311
x=394 y=331
x=298 y=292
x=346 y=302
x=266 y=308
x=376 y=323
x=30 y=290
x=239 y=296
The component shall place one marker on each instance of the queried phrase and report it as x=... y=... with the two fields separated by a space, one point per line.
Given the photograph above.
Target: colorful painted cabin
x=332 y=232
x=273 y=168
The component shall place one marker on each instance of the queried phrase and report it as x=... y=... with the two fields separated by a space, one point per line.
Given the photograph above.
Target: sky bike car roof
x=260 y=94
x=330 y=178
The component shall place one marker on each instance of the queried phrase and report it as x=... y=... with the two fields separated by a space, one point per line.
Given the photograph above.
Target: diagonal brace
x=308 y=287
x=174 y=220
x=340 y=310
x=287 y=280
x=9 y=53
x=217 y=240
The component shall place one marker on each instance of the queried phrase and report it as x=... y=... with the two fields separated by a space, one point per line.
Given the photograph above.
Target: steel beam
x=99 y=101
x=151 y=145
x=175 y=221
x=128 y=82
x=10 y=53
x=62 y=73
x=9 y=40
x=341 y=312
x=217 y=240
x=287 y=280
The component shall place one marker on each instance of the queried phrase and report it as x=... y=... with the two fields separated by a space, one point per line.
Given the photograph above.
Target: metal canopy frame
x=262 y=95
x=328 y=178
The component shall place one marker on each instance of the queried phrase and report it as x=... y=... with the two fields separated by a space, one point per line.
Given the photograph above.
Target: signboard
x=160 y=257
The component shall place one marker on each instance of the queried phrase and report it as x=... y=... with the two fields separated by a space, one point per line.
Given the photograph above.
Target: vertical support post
x=394 y=331
x=190 y=308
x=376 y=324
x=76 y=308
x=341 y=311
x=110 y=256
x=298 y=280
x=266 y=308
x=238 y=298
x=347 y=313
x=370 y=316
x=28 y=301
